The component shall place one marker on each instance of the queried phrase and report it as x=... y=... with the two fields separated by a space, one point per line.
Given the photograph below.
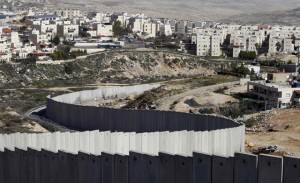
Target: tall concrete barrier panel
x=121 y=169
x=245 y=168
x=63 y=164
x=96 y=169
x=53 y=167
x=72 y=170
x=135 y=167
x=31 y=164
x=150 y=169
x=2 y=156
x=44 y=164
x=202 y=164
x=84 y=167
x=222 y=169
x=269 y=169
x=183 y=169
x=108 y=169
x=291 y=169
x=166 y=168
x=23 y=165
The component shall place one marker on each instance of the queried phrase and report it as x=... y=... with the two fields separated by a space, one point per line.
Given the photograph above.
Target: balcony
x=49 y=30
x=71 y=30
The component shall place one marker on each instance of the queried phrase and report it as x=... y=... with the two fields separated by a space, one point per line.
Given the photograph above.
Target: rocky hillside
x=290 y=17
x=125 y=67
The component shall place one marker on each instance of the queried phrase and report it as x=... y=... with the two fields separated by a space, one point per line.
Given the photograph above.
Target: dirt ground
x=285 y=132
x=203 y=100
x=11 y=122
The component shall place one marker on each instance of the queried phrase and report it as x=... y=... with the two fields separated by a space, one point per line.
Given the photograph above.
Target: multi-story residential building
x=181 y=27
x=68 y=13
x=136 y=24
x=274 y=95
x=49 y=29
x=150 y=29
x=103 y=29
x=207 y=45
x=165 y=29
x=281 y=44
x=37 y=38
x=96 y=16
x=68 y=31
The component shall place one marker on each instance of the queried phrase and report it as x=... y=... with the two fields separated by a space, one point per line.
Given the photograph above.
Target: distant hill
x=289 y=17
x=196 y=10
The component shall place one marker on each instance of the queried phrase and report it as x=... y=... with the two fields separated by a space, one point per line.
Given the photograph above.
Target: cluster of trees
x=67 y=54
x=56 y=40
x=247 y=55
x=241 y=69
x=119 y=30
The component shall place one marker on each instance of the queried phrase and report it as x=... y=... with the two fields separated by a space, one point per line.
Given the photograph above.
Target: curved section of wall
x=191 y=132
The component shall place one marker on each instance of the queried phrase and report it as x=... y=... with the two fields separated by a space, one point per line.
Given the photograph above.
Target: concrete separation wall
x=61 y=167
x=147 y=131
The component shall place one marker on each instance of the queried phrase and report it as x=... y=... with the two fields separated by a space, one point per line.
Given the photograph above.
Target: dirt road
x=165 y=103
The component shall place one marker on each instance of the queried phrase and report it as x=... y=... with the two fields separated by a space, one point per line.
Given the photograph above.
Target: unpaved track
x=165 y=103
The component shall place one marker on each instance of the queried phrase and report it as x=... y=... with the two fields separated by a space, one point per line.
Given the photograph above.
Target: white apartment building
x=149 y=29
x=181 y=27
x=68 y=13
x=49 y=29
x=5 y=57
x=15 y=39
x=165 y=29
x=281 y=44
x=103 y=29
x=137 y=24
x=96 y=16
x=68 y=31
x=37 y=38
x=207 y=45
x=243 y=43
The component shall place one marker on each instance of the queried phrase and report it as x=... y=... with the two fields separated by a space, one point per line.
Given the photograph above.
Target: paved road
x=167 y=102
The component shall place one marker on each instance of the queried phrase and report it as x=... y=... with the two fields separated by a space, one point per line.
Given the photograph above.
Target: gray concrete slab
x=166 y=168
x=222 y=169
x=23 y=165
x=202 y=165
x=245 y=168
x=121 y=169
x=183 y=169
x=135 y=167
x=2 y=156
x=291 y=169
x=96 y=169
x=107 y=168
x=84 y=167
x=269 y=169
x=150 y=169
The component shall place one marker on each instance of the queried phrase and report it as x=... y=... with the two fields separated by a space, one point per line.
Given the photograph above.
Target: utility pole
x=298 y=59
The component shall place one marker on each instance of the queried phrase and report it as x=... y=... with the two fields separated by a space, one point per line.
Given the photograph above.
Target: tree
x=157 y=42
x=56 y=40
x=22 y=29
x=247 y=55
x=117 y=29
x=265 y=43
x=278 y=46
x=293 y=38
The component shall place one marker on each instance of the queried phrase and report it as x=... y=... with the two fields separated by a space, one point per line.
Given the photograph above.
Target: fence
x=44 y=166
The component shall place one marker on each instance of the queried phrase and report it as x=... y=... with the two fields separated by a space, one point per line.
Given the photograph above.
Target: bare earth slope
x=178 y=9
